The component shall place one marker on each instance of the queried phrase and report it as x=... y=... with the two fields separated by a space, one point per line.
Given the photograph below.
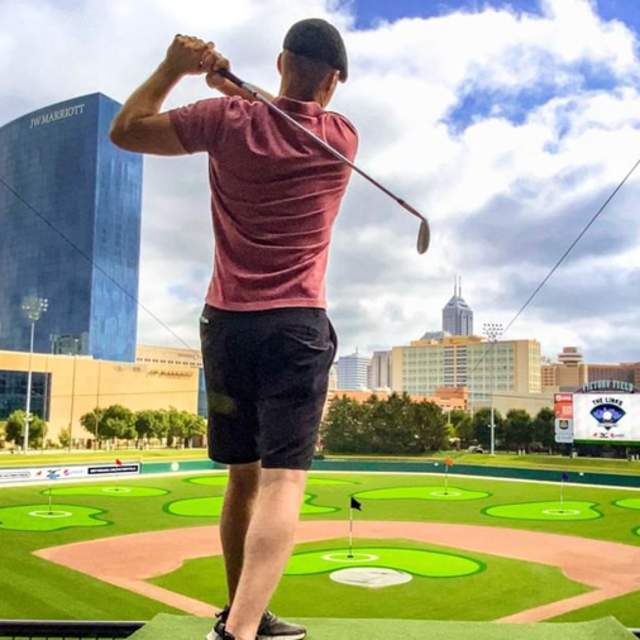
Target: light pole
x=33 y=308
x=493 y=330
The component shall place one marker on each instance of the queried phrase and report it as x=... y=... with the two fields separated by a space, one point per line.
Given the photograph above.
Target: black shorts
x=266 y=374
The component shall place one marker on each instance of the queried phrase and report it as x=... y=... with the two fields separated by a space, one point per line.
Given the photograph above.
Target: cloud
x=508 y=129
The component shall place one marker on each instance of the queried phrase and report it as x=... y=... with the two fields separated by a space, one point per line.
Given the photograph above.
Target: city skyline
x=508 y=165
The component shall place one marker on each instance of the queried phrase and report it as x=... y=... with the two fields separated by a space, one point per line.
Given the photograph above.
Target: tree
x=544 y=428
x=160 y=425
x=430 y=427
x=176 y=426
x=194 y=426
x=64 y=437
x=117 y=423
x=145 y=423
x=92 y=422
x=481 y=429
x=14 y=429
x=464 y=431
x=518 y=429
x=456 y=416
x=343 y=429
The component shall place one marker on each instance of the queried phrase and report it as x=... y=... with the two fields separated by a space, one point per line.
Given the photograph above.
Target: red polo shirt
x=275 y=194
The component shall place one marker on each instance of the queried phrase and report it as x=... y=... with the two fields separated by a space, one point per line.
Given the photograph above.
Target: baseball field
x=472 y=550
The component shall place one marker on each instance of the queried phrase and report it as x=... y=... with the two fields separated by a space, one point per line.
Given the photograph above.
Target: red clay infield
x=611 y=569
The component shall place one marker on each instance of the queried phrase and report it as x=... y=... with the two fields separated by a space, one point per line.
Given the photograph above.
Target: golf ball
x=174 y=466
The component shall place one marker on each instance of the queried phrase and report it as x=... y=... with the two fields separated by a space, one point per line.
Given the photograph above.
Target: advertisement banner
x=53 y=473
x=609 y=417
x=563 y=407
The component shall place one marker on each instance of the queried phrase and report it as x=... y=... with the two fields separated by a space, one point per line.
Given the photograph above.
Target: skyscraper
x=353 y=372
x=457 y=316
x=67 y=179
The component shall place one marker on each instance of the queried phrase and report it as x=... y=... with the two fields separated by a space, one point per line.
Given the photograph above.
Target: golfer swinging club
x=267 y=343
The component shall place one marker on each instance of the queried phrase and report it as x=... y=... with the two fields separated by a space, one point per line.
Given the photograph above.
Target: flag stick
x=562 y=495
x=350 y=532
x=446 y=479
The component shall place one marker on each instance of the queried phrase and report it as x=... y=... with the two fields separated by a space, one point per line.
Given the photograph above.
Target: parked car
x=476 y=448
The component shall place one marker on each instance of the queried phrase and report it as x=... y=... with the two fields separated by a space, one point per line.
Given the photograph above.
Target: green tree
x=160 y=426
x=176 y=427
x=518 y=429
x=544 y=429
x=117 y=423
x=14 y=429
x=464 y=431
x=195 y=426
x=92 y=422
x=481 y=430
x=144 y=423
x=343 y=429
x=429 y=426
x=64 y=437
x=456 y=416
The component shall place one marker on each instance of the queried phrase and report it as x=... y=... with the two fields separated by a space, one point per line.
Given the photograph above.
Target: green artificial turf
x=34 y=588
x=422 y=492
x=167 y=627
x=629 y=503
x=220 y=480
x=420 y=562
x=550 y=511
x=110 y=491
x=44 y=518
x=624 y=608
x=505 y=586
x=211 y=507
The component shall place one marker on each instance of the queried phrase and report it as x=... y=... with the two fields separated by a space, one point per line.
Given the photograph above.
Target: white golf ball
x=607 y=415
x=174 y=466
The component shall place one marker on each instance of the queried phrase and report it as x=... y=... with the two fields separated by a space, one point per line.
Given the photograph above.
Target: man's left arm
x=139 y=126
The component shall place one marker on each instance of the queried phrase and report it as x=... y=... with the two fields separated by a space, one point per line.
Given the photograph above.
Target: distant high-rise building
x=624 y=372
x=69 y=181
x=353 y=372
x=457 y=316
x=569 y=373
x=380 y=370
x=460 y=361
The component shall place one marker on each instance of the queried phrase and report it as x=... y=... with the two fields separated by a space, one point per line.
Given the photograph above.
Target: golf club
x=424 y=234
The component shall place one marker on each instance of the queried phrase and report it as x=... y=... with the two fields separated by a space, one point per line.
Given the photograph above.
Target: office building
x=457 y=316
x=380 y=370
x=70 y=231
x=353 y=372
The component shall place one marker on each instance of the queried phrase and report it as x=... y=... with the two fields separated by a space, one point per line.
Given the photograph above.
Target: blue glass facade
x=61 y=162
x=13 y=393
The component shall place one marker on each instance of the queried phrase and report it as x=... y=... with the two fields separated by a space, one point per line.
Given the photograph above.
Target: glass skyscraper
x=67 y=179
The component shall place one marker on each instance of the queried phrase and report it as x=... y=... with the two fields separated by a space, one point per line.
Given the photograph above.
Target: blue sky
x=369 y=12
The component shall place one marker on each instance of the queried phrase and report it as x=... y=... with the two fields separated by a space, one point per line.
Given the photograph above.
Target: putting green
x=428 y=564
x=38 y=517
x=221 y=481
x=568 y=510
x=628 y=503
x=433 y=492
x=99 y=490
x=211 y=507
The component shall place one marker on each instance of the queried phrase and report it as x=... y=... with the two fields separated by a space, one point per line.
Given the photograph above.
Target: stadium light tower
x=33 y=308
x=493 y=331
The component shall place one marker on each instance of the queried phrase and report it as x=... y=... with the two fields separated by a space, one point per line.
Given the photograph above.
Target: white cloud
x=504 y=195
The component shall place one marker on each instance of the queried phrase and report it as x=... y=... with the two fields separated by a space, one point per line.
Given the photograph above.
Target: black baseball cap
x=319 y=40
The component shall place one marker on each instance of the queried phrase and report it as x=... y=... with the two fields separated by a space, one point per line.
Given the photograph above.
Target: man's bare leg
x=268 y=546
x=238 y=506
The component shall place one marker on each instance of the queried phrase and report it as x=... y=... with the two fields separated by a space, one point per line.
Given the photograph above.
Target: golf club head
x=424 y=237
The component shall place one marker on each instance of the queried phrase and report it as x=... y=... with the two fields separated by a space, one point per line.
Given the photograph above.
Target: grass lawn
x=625 y=608
x=34 y=588
x=505 y=586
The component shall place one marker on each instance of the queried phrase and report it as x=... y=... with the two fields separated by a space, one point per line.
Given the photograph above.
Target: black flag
x=355 y=504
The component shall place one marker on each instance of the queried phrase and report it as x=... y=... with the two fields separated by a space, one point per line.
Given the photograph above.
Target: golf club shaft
x=255 y=92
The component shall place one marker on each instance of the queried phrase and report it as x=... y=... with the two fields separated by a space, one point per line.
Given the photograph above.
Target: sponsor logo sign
x=53 y=473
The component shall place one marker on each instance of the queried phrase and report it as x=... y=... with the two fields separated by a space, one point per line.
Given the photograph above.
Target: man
x=267 y=343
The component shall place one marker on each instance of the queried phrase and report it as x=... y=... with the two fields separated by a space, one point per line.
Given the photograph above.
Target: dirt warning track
x=611 y=569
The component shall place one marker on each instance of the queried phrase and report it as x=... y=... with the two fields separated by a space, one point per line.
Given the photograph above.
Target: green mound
x=211 y=507
x=221 y=481
x=628 y=503
x=38 y=517
x=435 y=492
x=555 y=511
x=168 y=627
x=116 y=491
x=428 y=564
